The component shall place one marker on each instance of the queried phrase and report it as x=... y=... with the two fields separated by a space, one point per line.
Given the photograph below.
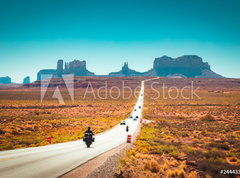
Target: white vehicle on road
x=123 y=123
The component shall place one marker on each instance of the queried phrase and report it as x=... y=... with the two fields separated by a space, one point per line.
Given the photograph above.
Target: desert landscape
x=197 y=137
x=194 y=137
x=26 y=122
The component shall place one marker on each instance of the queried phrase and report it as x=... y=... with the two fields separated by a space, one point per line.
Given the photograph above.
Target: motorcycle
x=88 y=139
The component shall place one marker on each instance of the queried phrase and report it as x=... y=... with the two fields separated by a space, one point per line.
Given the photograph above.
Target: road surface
x=57 y=159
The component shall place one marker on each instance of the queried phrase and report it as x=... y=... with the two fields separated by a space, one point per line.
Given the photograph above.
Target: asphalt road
x=57 y=159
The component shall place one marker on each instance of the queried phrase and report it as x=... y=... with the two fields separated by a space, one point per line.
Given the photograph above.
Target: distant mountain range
x=187 y=66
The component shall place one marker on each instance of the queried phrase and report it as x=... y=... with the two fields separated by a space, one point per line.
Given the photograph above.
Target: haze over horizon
x=35 y=34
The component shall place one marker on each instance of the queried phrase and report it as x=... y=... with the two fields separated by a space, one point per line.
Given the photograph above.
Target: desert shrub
x=234 y=152
x=131 y=153
x=165 y=166
x=193 y=154
x=180 y=117
x=222 y=146
x=155 y=167
x=183 y=165
x=216 y=160
x=214 y=153
x=157 y=150
x=208 y=118
x=6 y=147
x=198 y=153
x=123 y=161
x=28 y=140
x=173 y=162
x=193 y=174
x=147 y=165
x=188 y=149
x=169 y=149
x=181 y=173
x=184 y=134
x=233 y=159
x=175 y=153
x=170 y=174
x=29 y=128
x=2 y=131
x=35 y=128
x=142 y=150
x=233 y=141
x=159 y=141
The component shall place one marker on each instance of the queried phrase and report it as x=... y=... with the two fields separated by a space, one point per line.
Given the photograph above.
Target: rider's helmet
x=89 y=128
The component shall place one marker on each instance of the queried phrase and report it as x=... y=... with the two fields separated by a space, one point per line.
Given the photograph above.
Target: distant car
x=123 y=123
x=141 y=94
x=135 y=109
x=130 y=116
x=135 y=119
x=139 y=107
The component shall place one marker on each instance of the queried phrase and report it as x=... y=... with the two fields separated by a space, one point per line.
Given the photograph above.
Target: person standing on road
x=127 y=128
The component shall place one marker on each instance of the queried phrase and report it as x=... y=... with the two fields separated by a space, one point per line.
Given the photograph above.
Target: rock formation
x=125 y=72
x=187 y=66
x=5 y=80
x=26 y=80
x=60 y=68
x=76 y=67
x=46 y=73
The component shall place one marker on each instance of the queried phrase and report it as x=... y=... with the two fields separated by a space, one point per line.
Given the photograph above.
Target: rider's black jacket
x=89 y=132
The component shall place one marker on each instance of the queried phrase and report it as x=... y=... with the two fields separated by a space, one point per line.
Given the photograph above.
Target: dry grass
x=26 y=122
x=189 y=138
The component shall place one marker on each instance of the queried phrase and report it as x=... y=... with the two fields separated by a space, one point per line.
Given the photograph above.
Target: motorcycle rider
x=88 y=138
x=89 y=131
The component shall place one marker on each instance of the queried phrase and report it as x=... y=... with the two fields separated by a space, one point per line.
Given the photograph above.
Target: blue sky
x=35 y=34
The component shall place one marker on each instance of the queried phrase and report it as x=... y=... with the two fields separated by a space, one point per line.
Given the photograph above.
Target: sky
x=34 y=34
